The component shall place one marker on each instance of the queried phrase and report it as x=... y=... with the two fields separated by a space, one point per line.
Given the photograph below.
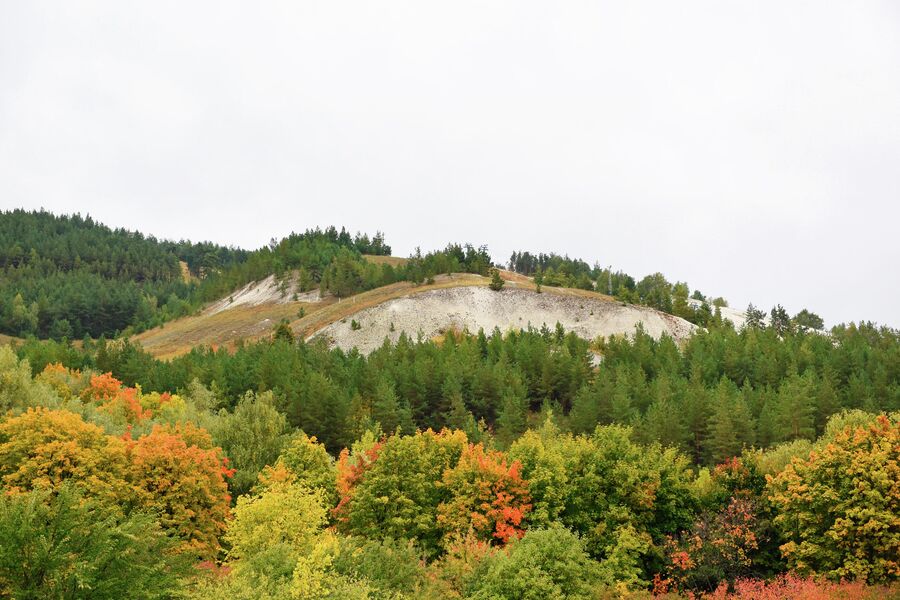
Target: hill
x=433 y=312
x=461 y=301
x=68 y=276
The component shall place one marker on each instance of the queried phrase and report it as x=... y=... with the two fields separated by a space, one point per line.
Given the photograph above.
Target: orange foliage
x=488 y=497
x=114 y=398
x=349 y=472
x=127 y=403
x=102 y=388
x=174 y=472
x=180 y=476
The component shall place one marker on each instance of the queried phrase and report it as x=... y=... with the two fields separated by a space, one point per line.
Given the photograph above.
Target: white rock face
x=266 y=291
x=433 y=312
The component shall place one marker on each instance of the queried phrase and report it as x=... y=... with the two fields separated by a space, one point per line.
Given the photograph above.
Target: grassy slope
x=394 y=261
x=8 y=339
x=227 y=327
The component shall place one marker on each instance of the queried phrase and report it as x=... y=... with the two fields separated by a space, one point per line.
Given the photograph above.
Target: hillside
x=431 y=313
x=460 y=301
x=68 y=276
x=679 y=400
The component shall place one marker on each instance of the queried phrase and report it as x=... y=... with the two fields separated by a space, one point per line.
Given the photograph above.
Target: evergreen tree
x=795 y=408
x=755 y=317
x=513 y=417
x=497 y=282
x=392 y=413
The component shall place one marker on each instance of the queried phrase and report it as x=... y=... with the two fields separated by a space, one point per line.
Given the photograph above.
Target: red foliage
x=791 y=587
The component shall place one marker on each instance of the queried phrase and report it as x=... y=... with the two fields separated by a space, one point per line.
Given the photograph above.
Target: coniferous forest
x=753 y=462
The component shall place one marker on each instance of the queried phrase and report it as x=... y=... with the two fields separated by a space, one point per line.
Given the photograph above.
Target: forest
x=67 y=277
x=753 y=462
x=488 y=465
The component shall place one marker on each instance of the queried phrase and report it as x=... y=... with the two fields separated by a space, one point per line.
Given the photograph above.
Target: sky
x=751 y=149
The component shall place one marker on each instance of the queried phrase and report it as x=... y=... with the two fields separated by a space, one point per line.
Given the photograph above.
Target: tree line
x=722 y=391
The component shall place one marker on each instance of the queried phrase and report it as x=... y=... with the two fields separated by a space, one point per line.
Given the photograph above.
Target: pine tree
x=623 y=410
x=496 y=281
x=722 y=442
x=585 y=413
x=755 y=317
x=664 y=423
x=388 y=410
x=458 y=416
x=795 y=408
x=513 y=418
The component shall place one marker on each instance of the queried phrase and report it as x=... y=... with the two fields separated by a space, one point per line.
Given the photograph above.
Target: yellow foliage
x=44 y=448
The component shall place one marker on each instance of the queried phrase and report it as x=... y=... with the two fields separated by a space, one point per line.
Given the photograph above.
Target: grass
x=244 y=322
x=394 y=261
x=8 y=339
x=223 y=329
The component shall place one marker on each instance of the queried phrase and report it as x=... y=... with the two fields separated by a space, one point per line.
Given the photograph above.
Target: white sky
x=749 y=148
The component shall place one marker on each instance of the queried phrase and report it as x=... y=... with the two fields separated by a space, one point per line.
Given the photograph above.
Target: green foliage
x=388 y=567
x=839 y=508
x=59 y=545
x=271 y=534
x=549 y=563
x=497 y=282
x=399 y=495
x=309 y=464
x=621 y=497
x=251 y=437
x=65 y=277
x=18 y=390
x=808 y=320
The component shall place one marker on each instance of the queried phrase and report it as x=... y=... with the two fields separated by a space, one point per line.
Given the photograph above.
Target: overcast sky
x=751 y=149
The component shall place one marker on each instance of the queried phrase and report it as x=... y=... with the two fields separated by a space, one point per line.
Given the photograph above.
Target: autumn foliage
x=840 y=509
x=487 y=497
x=173 y=472
x=793 y=587
x=44 y=448
x=181 y=477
